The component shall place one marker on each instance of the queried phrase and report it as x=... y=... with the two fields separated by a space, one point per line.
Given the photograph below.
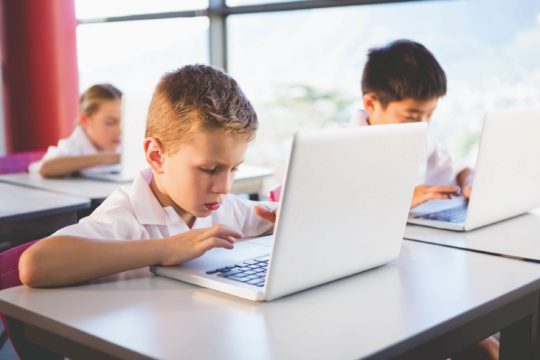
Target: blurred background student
x=94 y=145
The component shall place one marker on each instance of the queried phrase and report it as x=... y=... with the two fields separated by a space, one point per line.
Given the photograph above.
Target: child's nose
x=222 y=185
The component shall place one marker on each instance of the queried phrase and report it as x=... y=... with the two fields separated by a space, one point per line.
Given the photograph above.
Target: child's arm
x=464 y=179
x=64 y=260
x=61 y=166
x=425 y=193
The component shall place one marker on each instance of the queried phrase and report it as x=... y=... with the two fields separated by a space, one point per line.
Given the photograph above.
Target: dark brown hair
x=403 y=69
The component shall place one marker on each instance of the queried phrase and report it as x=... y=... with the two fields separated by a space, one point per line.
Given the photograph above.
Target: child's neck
x=165 y=201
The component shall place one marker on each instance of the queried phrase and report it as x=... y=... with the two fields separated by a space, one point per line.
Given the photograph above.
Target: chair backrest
x=9 y=265
x=18 y=162
x=9 y=277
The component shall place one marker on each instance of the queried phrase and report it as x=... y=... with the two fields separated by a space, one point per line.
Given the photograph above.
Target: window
x=302 y=69
x=89 y=9
x=254 y=2
x=133 y=55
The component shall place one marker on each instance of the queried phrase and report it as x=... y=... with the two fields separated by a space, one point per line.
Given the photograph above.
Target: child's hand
x=467 y=190
x=267 y=215
x=194 y=243
x=465 y=179
x=424 y=193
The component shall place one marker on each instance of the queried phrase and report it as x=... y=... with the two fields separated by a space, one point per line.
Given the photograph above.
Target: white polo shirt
x=77 y=144
x=438 y=169
x=133 y=213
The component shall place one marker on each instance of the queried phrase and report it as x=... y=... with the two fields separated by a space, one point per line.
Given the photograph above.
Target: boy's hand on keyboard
x=194 y=243
x=266 y=214
x=424 y=193
x=467 y=192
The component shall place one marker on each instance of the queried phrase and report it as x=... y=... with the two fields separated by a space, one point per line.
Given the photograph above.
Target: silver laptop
x=134 y=112
x=343 y=210
x=507 y=177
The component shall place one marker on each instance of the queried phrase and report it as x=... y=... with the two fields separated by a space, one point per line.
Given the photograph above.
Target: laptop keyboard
x=251 y=272
x=454 y=215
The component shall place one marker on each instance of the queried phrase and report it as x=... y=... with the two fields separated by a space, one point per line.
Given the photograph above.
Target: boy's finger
x=467 y=192
x=445 y=189
x=265 y=214
x=214 y=242
x=220 y=231
x=438 y=196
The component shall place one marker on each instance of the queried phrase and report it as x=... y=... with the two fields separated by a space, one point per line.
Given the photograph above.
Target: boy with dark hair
x=402 y=82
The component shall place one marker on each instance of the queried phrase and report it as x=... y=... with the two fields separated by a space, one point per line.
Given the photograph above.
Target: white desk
x=28 y=214
x=249 y=180
x=74 y=186
x=518 y=237
x=429 y=303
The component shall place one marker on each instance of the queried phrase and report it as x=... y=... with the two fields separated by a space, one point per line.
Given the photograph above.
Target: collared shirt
x=77 y=144
x=134 y=212
x=438 y=169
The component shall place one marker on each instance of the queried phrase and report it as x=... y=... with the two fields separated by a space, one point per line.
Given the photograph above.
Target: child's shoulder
x=117 y=207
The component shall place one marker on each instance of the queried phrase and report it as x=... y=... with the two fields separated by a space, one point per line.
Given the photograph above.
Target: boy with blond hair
x=198 y=129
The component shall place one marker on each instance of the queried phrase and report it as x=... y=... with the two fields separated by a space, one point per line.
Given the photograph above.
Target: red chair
x=9 y=277
x=18 y=162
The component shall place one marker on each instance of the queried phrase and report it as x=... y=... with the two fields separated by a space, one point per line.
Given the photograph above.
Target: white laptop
x=343 y=210
x=134 y=112
x=507 y=177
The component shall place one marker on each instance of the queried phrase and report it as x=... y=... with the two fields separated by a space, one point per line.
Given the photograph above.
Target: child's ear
x=153 y=150
x=83 y=119
x=370 y=101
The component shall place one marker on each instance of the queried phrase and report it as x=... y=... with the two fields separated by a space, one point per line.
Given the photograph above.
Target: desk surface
x=74 y=186
x=18 y=203
x=518 y=237
x=429 y=290
x=99 y=190
x=249 y=172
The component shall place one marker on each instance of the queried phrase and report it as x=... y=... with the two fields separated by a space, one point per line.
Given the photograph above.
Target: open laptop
x=507 y=176
x=343 y=210
x=134 y=112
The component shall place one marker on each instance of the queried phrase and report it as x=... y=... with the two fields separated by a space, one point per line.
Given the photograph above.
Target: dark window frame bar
x=218 y=11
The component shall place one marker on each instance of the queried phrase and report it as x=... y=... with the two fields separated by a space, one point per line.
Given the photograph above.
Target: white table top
x=75 y=186
x=517 y=237
x=99 y=190
x=249 y=172
x=18 y=203
x=429 y=288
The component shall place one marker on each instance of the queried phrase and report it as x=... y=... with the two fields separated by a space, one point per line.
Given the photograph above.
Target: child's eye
x=234 y=169
x=209 y=171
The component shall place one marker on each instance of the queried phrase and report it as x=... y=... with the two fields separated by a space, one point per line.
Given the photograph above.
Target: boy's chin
x=202 y=213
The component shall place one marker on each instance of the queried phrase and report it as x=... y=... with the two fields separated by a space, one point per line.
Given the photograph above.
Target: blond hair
x=198 y=98
x=91 y=99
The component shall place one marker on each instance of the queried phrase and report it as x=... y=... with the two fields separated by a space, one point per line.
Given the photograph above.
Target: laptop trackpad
x=243 y=250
